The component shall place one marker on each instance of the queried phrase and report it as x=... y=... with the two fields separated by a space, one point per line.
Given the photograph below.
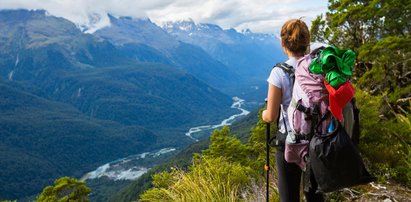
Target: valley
x=72 y=101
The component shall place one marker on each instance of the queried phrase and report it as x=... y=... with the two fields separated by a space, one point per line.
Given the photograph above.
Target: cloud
x=258 y=15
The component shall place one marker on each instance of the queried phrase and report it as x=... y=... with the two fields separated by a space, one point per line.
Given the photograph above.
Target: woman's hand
x=264 y=117
x=273 y=104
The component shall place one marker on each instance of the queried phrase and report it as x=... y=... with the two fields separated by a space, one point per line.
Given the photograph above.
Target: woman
x=295 y=40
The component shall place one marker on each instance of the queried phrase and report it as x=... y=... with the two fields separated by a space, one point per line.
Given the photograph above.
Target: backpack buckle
x=300 y=107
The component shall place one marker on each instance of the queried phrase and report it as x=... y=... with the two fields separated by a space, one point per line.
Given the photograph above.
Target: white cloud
x=258 y=15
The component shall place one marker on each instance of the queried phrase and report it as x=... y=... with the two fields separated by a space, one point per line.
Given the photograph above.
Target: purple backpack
x=309 y=100
x=308 y=112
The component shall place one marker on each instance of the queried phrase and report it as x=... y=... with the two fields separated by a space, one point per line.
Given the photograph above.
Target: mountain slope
x=42 y=140
x=128 y=34
x=250 y=55
x=55 y=60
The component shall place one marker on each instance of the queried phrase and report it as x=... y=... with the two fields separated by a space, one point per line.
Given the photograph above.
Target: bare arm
x=273 y=104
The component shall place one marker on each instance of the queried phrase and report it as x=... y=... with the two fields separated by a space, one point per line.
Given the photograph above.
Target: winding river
x=132 y=167
x=237 y=104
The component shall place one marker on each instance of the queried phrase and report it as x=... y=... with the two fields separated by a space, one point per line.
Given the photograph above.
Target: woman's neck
x=294 y=56
x=291 y=55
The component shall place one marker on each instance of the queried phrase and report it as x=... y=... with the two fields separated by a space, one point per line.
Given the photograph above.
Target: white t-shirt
x=281 y=80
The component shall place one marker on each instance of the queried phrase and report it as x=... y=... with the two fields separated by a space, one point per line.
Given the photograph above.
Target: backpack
x=309 y=112
x=321 y=144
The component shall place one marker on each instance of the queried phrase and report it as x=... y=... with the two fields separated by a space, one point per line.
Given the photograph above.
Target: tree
x=378 y=30
x=224 y=144
x=65 y=189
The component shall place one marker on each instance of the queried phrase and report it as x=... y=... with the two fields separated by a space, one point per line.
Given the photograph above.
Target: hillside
x=54 y=139
x=128 y=34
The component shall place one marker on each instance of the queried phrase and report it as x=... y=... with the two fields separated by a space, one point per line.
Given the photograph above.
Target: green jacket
x=337 y=65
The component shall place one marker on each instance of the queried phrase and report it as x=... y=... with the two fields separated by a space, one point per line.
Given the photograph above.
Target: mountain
x=137 y=37
x=250 y=55
x=71 y=101
x=92 y=74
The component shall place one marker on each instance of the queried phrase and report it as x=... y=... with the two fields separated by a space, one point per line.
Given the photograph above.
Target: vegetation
x=65 y=189
x=210 y=179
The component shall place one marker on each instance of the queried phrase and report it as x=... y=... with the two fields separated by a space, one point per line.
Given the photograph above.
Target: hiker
x=295 y=40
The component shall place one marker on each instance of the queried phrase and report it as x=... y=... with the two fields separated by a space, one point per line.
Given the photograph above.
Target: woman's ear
x=284 y=48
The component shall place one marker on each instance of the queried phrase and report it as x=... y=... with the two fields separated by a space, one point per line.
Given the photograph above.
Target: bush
x=210 y=179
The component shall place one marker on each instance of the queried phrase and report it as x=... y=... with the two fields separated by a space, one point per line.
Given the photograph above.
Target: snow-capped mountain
x=190 y=32
x=145 y=41
x=126 y=30
x=251 y=55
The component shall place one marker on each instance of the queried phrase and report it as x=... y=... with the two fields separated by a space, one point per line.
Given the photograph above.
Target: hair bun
x=295 y=36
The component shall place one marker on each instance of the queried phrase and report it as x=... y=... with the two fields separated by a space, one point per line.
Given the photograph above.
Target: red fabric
x=339 y=98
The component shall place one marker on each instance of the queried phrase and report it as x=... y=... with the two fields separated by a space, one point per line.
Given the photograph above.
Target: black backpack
x=335 y=161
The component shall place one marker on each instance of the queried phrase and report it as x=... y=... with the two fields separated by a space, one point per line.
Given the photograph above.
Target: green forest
x=379 y=32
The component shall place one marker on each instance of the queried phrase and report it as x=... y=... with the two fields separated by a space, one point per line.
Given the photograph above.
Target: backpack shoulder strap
x=288 y=69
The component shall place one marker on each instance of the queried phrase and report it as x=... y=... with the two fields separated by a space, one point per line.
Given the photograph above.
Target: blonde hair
x=295 y=36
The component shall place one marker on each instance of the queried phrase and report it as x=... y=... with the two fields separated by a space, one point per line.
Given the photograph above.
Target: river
x=237 y=104
x=129 y=168
x=134 y=166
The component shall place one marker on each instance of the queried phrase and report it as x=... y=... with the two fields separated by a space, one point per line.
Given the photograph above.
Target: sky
x=265 y=16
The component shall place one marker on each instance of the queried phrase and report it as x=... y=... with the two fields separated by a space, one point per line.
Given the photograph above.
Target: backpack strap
x=290 y=71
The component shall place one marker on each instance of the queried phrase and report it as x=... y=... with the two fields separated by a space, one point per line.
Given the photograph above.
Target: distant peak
x=189 y=26
x=94 y=22
x=246 y=31
x=182 y=25
x=208 y=26
x=127 y=19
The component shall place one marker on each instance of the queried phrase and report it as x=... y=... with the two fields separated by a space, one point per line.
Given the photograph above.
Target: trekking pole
x=267 y=164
